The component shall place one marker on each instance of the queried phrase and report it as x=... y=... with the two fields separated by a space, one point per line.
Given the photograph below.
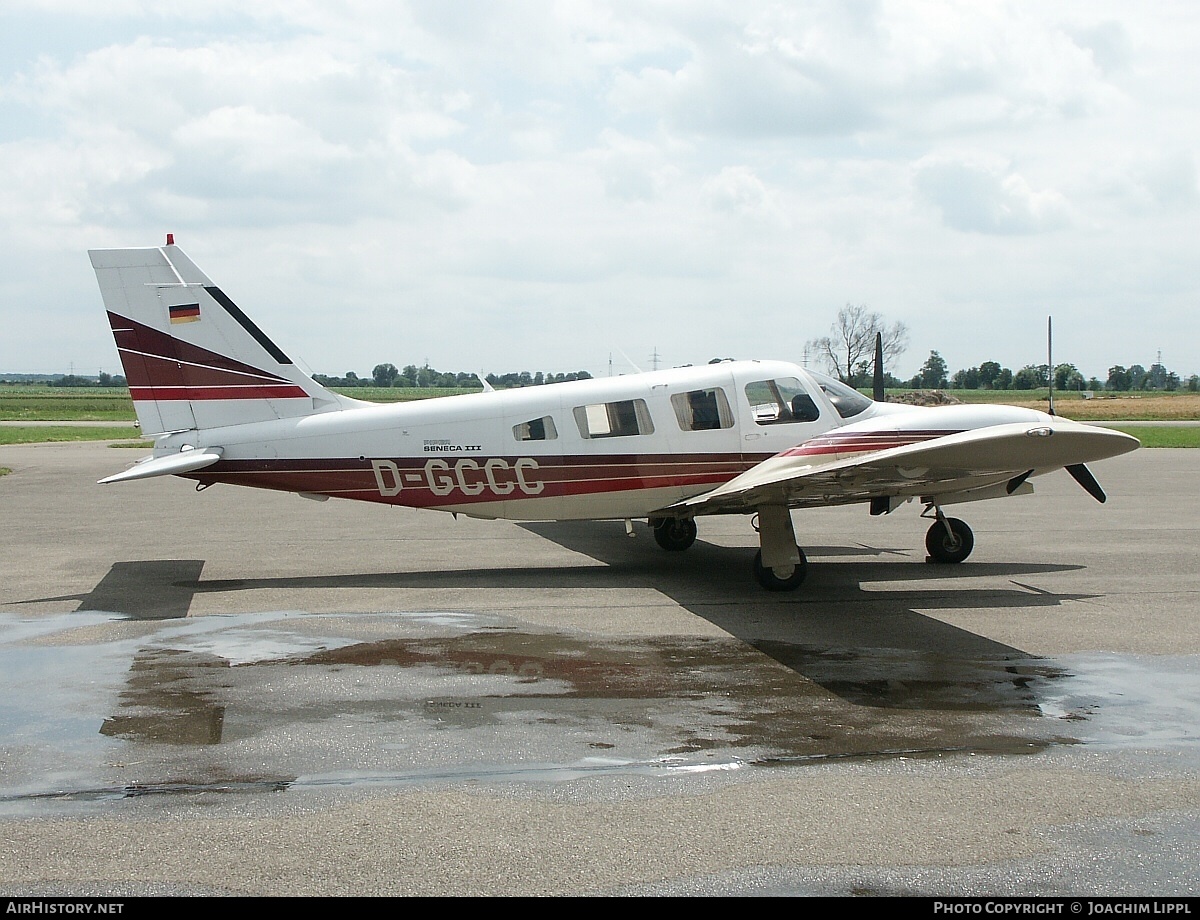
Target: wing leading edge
x=955 y=466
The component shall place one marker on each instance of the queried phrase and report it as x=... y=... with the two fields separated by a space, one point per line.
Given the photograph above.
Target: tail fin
x=192 y=358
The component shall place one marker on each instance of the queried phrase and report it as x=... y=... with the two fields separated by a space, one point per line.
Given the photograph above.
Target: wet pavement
x=101 y=706
x=233 y=699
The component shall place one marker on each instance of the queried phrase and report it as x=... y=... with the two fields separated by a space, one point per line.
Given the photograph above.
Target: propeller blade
x=1050 y=365
x=1082 y=475
x=1017 y=481
x=877 y=382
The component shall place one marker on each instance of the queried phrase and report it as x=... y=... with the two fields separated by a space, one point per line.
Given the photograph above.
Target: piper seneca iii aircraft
x=763 y=438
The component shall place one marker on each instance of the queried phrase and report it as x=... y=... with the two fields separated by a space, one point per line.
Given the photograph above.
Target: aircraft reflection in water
x=226 y=405
x=644 y=700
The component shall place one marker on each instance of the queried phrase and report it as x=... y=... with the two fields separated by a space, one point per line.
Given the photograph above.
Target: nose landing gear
x=948 y=540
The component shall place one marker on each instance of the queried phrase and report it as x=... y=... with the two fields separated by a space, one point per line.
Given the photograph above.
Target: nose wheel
x=949 y=540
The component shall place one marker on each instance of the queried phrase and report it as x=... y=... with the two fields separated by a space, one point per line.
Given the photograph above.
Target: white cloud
x=738 y=190
x=985 y=199
x=521 y=168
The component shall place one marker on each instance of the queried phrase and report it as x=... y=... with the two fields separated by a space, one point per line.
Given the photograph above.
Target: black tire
x=772 y=581
x=675 y=534
x=945 y=548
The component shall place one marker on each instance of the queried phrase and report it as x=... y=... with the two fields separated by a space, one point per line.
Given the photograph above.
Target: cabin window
x=702 y=410
x=780 y=401
x=614 y=419
x=538 y=429
x=847 y=400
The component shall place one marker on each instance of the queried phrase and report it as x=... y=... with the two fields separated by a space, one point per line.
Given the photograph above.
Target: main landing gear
x=674 y=534
x=780 y=565
x=781 y=577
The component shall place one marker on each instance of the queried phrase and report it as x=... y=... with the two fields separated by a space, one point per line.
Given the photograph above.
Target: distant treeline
x=933 y=375
x=990 y=375
x=388 y=375
x=384 y=375
x=66 y=380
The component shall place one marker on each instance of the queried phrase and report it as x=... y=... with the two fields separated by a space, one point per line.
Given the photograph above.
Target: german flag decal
x=185 y=313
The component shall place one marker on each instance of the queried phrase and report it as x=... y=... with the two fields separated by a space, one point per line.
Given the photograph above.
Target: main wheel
x=788 y=579
x=949 y=547
x=675 y=534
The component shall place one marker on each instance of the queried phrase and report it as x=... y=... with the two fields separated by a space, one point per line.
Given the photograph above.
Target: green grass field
x=110 y=404
x=1152 y=436
x=41 y=434
x=65 y=404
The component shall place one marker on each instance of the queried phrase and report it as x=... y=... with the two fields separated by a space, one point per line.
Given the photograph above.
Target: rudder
x=192 y=358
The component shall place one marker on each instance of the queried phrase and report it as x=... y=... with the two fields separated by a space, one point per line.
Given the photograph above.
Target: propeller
x=1082 y=475
x=1017 y=481
x=1050 y=359
x=877 y=381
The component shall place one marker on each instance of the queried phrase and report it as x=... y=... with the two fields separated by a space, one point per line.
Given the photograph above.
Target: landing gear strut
x=779 y=565
x=948 y=540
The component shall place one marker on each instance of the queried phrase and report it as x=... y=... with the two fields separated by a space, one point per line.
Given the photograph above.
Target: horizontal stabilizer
x=183 y=462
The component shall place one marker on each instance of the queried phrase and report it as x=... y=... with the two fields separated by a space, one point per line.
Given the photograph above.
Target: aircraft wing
x=842 y=466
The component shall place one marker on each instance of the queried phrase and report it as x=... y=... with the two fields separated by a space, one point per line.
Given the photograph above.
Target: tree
x=932 y=375
x=988 y=372
x=966 y=379
x=853 y=341
x=1031 y=376
x=1118 y=378
x=1067 y=377
x=385 y=375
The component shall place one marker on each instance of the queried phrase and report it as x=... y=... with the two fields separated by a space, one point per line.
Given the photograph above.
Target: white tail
x=192 y=358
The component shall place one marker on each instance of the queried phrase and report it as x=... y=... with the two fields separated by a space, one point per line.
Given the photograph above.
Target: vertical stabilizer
x=193 y=359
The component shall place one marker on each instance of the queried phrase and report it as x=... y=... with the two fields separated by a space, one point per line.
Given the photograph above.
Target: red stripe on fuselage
x=435 y=482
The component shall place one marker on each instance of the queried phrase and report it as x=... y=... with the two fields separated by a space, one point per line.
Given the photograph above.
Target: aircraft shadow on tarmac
x=872 y=647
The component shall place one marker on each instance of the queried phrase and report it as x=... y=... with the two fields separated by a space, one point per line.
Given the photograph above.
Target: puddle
x=96 y=706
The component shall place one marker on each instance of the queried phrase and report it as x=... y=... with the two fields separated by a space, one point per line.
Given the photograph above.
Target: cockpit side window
x=780 y=401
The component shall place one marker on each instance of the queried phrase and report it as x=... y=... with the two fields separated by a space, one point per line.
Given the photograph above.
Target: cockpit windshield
x=846 y=400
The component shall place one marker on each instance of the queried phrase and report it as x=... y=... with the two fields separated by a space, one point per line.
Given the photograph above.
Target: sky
x=503 y=186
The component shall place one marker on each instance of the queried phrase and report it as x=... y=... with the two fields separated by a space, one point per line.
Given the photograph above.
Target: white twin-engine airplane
x=739 y=437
